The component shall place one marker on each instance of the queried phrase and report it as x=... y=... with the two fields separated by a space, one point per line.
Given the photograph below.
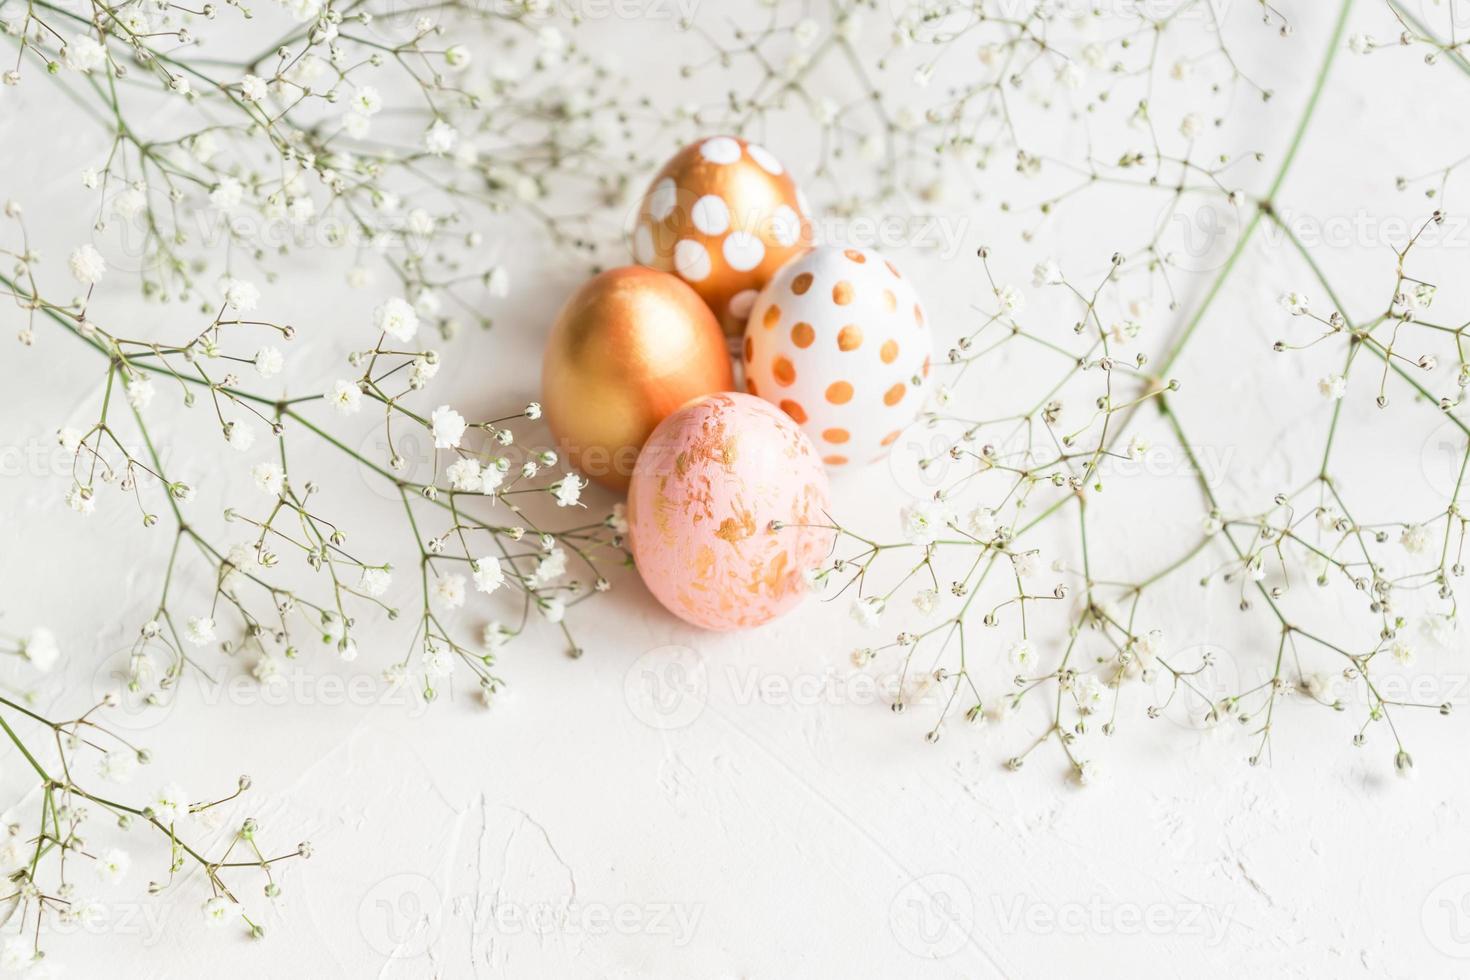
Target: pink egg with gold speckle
x=709 y=484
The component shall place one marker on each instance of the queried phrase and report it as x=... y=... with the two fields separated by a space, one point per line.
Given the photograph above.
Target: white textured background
x=666 y=806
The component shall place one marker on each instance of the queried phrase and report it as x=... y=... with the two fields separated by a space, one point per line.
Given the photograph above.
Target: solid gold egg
x=629 y=347
x=723 y=215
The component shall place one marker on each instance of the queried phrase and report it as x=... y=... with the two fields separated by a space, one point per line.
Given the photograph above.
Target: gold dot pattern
x=840 y=339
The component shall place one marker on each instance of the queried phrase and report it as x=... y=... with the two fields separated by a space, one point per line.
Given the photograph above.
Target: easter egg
x=723 y=215
x=628 y=348
x=724 y=512
x=839 y=341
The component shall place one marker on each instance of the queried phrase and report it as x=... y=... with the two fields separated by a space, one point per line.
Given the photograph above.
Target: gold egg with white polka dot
x=723 y=215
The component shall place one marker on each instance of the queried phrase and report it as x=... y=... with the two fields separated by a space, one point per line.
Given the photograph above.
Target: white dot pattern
x=743 y=251
x=711 y=215
x=720 y=149
x=724 y=215
x=692 y=261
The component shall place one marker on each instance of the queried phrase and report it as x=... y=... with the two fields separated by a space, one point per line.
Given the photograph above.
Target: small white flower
x=227 y=194
x=550 y=568
x=925 y=600
x=618 y=519
x=40 y=648
x=397 y=318
x=568 y=490
x=118 y=765
x=240 y=296
x=464 y=475
x=448 y=591
x=924 y=521
x=1402 y=651
x=983 y=524
x=170 y=804
x=1332 y=387
x=1027 y=563
x=457 y=56
x=346 y=397
x=375 y=581
x=1138 y=447
x=448 y=427
x=240 y=436
x=1046 y=273
x=1011 y=299
x=82 y=53
x=129 y=202
x=440 y=138
x=356 y=125
x=70 y=438
x=269 y=477
x=438 y=660
x=80 y=500
x=87 y=265
x=806 y=32
x=489 y=575
x=366 y=101
x=1294 y=303
x=200 y=630
x=1089 y=773
x=140 y=392
x=498 y=282
x=268 y=362
x=113 y=865
x=1023 y=654
x=215 y=911
x=1415 y=539
x=554 y=609
x=252 y=88
x=533 y=411
x=1190 y=125
x=495 y=636
x=1088 y=691
x=868 y=611
x=1360 y=43
x=16 y=954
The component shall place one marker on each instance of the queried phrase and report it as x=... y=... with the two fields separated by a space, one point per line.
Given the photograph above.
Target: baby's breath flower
x=200 y=630
x=440 y=138
x=448 y=591
x=488 y=573
x=345 y=397
x=87 y=265
x=448 y=427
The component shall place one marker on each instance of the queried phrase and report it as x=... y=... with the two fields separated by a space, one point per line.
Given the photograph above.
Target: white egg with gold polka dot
x=839 y=341
x=723 y=215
